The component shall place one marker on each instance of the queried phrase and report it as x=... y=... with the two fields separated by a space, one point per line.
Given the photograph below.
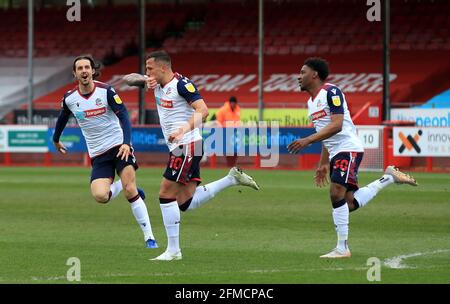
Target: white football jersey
x=330 y=100
x=173 y=102
x=98 y=122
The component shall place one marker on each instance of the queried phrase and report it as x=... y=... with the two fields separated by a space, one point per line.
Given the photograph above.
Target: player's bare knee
x=337 y=193
x=129 y=189
x=101 y=198
x=335 y=196
x=165 y=191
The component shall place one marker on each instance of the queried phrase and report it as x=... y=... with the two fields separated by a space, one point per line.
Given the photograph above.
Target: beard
x=84 y=81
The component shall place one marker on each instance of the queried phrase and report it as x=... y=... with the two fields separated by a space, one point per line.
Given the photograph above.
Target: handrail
x=364 y=107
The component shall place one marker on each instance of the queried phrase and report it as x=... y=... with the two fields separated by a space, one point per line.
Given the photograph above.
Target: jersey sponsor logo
x=117 y=99
x=80 y=115
x=318 y=115
x=95 y=112
x=168 y=104
x=190 y=87
x=336 y=100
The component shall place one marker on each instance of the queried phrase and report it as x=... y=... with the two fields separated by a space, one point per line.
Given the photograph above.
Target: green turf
x=272 y=236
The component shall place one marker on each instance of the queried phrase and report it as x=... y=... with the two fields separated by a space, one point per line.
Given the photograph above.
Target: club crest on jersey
x=190 y=87
x=169 y=90
x=336 y=100
x=117 y=99
x=98 y=102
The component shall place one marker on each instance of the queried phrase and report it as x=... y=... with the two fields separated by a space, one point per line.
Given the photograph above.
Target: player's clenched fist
x=150 y=82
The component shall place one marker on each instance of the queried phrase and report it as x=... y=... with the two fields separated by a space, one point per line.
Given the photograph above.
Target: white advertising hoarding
x=423 y=117
x=17 y=138
x=413 y=141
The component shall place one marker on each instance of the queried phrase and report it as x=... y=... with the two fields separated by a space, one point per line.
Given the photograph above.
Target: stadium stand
x=230 y=27
x=105 y=31
x=290 y=29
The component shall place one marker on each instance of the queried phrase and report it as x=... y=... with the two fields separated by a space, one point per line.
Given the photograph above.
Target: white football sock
x=341 y=219
x=171 y=219
x=140 y=213
x=204 y=193
x=365 y=194
x=115 y=189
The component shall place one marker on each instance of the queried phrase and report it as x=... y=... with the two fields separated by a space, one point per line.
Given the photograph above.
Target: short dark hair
x=160 y=56
x=232 y=99
x=94 y=64
x=319 y=65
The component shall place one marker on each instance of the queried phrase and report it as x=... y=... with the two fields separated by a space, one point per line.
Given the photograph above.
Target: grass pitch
x=274 y=235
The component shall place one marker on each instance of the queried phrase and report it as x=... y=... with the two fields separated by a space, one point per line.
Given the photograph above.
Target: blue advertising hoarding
x=217 y=140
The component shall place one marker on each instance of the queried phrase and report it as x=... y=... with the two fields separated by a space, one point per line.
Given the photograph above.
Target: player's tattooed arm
x=135 y=80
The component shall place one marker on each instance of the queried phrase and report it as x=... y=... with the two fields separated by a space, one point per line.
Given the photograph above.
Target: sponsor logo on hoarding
x=410 y=142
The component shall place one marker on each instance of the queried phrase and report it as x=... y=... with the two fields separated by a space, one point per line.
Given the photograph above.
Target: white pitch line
x=396 y=262
x=251 y=271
